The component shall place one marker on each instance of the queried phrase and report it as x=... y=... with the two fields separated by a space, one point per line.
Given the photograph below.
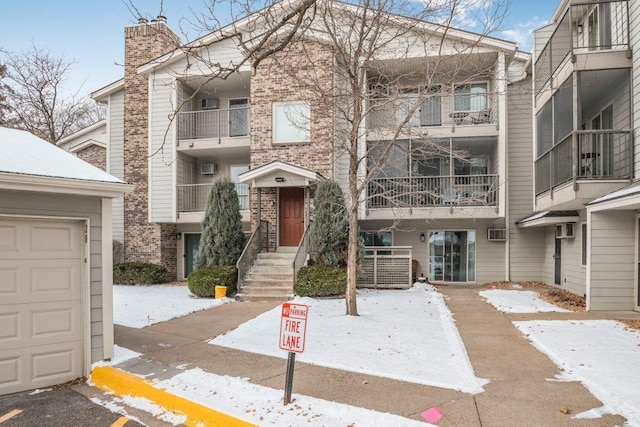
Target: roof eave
x=57 y=185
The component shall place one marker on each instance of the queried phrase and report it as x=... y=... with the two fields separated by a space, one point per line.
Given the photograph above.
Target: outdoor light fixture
x=179 y=236
x=579 y=28
x=280 y=179
x=422 y=237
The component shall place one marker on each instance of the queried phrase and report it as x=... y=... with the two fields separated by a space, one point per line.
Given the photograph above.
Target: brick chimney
x=144 y=241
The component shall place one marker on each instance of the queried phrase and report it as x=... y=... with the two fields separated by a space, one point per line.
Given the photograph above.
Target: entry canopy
x=280 y=174
x=542 y=219
x=627 y=198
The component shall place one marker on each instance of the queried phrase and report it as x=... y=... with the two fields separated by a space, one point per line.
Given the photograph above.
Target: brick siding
x=95 y=155
x=143 y=241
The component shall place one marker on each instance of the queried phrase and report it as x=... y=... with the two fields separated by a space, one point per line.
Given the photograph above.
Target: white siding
x=634 y=29
x=98 y=135
x=490 y=260
x=526 y=245
x=115 y=160
x=25 y=203
x=612 y=260
x=574 y=275
x=162 y=98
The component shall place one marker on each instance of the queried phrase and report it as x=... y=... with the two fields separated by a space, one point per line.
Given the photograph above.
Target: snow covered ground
x=405 y=335
x=240 y=398
x=509 y=301
x=140 y=306
x=601 y=354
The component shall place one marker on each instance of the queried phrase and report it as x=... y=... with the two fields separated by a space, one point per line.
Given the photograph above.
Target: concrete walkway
x=519 y=391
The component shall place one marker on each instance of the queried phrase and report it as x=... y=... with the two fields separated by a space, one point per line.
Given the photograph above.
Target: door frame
x=636 y=268
x=304 y=212
x=475 y=254
x=184 y=250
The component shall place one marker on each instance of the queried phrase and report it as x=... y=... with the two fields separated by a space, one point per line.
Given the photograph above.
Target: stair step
x=269 y=277
x=276 y=255
x=269 y=290
x=257 y=283
x=258 y=298
x=287 y=249
x=273 y=261
x=272 y=269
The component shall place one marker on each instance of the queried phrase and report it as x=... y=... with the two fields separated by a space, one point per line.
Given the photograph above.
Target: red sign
x=293 y=326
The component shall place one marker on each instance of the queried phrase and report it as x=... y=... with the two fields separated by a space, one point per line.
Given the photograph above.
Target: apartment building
x=441 y=198
x=586 y=148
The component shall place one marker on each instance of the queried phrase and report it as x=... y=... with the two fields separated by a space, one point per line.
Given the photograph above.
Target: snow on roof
x=26 y=154
x=626 y=191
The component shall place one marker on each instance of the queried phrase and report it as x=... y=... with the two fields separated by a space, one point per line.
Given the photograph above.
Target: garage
x=55 y=239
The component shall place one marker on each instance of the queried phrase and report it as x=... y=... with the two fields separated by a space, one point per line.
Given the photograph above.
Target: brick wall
x=143 y=241
x=302 y=72
x=95 y=155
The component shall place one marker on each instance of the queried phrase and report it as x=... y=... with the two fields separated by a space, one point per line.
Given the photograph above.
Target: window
x=239 y=117
x=241 y=188
x=544 y=128
x=471 y=97
x=290 y=122
x=583 y=236
x=377 y=238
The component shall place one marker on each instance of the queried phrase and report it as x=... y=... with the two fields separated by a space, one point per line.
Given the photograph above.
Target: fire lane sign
x=293 y=327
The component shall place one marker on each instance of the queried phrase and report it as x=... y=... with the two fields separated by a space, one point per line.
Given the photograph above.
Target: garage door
x=41 y=330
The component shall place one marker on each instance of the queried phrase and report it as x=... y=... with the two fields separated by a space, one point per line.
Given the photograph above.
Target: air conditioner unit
x=497 y=234
x=565 y=231
x=208 y=168
x=210 y=103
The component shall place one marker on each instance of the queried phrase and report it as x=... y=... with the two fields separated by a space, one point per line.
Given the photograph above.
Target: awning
x=627 y=198
x=280 y=174
x=542 y=219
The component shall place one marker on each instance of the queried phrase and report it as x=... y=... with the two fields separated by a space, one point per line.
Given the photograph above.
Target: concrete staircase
x=270 y=278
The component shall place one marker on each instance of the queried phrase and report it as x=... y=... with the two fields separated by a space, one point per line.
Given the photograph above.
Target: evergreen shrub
x=139 y=273
x=321 y=281
x=202 y=282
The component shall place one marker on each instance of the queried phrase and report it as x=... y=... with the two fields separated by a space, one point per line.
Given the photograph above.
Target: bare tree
x=390 y=60
x=5 y=91
x=39 y=100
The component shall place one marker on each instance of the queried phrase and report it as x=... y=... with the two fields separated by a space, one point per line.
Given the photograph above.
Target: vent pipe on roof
x=142 y=20
x=161 y=18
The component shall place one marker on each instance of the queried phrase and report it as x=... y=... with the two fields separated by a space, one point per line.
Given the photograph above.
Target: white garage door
x=41 y=332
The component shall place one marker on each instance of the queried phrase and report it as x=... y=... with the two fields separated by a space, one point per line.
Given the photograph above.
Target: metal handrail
x=301 y=253
x=250 y=252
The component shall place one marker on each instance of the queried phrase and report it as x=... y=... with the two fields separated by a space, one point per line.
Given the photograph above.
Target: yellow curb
x=123 y=383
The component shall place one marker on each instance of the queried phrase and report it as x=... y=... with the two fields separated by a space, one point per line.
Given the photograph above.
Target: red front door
x=291 y=216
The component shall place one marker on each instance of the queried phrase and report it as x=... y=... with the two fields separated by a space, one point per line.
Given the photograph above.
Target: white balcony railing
x=433 y=191
x=213 y=124
x=194 y=197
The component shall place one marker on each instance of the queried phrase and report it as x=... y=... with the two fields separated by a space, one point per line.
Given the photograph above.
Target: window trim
x=456 y=86
x=274 y=127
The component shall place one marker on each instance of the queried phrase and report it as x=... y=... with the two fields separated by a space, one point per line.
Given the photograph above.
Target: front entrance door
x=557 y=258
x=191 y=245
x=291 y=222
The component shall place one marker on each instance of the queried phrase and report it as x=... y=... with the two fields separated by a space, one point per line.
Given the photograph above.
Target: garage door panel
x=42 y=280
x=26 y=325
x=25 y=369
x=41 y=311
x=8 y=280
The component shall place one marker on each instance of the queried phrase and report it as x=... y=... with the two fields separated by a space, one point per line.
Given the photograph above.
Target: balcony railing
x=452 y=110
x=433 y=191
x=585 y=155
x=194 y=197
x=585 y=28
x=213 y=124
x=386 y=267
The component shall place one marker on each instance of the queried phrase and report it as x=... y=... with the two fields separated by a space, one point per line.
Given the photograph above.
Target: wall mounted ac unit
x=210 y=103
x=208 y=168
x=565 y=231
x=497 y=234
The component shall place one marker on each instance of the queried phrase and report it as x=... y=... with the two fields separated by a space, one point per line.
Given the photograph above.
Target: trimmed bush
x=139 y=273
x=329 y=238
x=202 y=282
x=321 y=281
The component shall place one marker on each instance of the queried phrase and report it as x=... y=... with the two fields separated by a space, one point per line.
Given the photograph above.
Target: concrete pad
x=146 y=340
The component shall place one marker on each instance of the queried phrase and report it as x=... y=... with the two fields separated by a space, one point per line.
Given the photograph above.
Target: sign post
x=293 y=329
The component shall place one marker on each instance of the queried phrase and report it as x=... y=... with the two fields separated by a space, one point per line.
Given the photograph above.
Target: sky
x=91 y=32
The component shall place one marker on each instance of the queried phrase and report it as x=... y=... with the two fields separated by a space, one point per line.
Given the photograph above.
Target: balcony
x=592 y=36
x=214 y=125
x=469 y=106
x=590 y=157
x=193 y=198
x=433 y=191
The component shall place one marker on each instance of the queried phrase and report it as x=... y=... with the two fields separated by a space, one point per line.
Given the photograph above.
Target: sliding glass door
x=452 y=256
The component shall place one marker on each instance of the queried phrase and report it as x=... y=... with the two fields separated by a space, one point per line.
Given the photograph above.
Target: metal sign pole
x=288 y=385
